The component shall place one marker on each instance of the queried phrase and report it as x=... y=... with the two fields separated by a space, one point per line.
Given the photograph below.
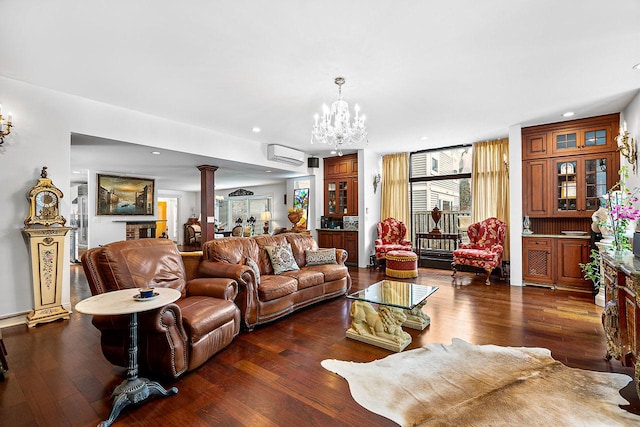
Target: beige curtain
x=490 y=183
x=395 y=188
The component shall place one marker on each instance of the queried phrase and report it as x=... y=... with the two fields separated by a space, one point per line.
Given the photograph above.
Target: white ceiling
x=454 y=71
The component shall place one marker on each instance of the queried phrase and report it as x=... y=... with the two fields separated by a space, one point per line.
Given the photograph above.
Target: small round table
x=132 y=389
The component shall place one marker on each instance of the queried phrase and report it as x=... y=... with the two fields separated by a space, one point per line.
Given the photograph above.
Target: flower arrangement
x=622 y=212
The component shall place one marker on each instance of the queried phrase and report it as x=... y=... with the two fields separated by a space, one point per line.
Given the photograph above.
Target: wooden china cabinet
x=566 y=168
x=341 y=185
x=340 y=199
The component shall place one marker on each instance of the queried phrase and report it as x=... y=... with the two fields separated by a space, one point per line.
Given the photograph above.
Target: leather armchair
x=485 y=247
x=391 y=237
x=175 y=338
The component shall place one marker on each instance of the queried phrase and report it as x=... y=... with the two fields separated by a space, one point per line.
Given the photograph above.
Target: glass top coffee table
x=399 y=304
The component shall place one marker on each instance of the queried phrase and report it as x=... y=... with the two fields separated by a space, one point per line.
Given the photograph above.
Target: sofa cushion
x=201 y=315
x=281 y=258
x=321 y=256
x=231 y=249
x=330 y=271
x=299 y=244
x=305 y=277
x=274 y=287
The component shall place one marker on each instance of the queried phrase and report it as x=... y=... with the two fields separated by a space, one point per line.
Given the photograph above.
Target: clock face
x=46 y=199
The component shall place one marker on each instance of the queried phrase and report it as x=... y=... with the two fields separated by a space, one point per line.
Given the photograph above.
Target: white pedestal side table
x=132 y=389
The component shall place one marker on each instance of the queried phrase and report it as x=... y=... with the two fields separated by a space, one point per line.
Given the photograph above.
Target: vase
x=294 y=218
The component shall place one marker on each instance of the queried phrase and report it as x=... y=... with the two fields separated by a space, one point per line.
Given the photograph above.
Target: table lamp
x=266 y=217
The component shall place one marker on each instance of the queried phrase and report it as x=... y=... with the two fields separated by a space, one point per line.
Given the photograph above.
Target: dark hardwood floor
x=272 y=376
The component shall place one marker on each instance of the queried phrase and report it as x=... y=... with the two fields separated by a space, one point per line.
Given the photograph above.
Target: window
x=441 y=178
x=239 y=210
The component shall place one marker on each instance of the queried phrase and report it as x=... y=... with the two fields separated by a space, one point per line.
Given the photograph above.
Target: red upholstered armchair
x=391 y=237
x=485 y=247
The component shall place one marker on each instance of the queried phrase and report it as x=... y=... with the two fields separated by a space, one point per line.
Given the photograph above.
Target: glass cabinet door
x=343 y=193
x=331 y=197
x=566 y=186
x=595 y=181
x=581 y=183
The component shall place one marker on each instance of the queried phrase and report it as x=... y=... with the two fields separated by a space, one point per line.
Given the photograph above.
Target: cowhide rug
x=484 y=385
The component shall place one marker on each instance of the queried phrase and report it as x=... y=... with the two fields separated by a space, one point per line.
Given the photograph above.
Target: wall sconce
x=505 y=160
x=5 y=126
x=627 y=147
x=266 y=217
x=376 y=181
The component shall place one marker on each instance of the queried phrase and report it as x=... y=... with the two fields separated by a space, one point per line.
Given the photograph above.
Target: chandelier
x=335 y=127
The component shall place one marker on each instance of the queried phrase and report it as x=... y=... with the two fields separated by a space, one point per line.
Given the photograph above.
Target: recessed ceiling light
x=424 y=138
x=267 y=171
x=637 y=66
x=333 y=151
x=256 y=129
x=77 y=172
x=568 y=114
x=155 y=152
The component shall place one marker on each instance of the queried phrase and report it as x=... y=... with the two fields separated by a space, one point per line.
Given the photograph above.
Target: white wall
x=369 y=164
x=631 y=115
x=515 y=207
x=43 y=123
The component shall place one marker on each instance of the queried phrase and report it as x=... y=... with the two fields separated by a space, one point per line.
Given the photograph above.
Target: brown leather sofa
x=277 y=295
x=175 y=338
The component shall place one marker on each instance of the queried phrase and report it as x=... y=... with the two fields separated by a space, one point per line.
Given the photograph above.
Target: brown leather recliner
x=175 y=338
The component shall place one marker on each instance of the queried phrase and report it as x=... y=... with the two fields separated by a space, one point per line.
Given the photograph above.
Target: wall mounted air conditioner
x=280 y=153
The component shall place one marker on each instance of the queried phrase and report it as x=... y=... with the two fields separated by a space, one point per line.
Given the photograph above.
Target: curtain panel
x=395 y=189
x=490 y=178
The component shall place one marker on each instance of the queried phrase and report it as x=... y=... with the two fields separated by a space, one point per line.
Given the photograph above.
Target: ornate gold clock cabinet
x=45 y=231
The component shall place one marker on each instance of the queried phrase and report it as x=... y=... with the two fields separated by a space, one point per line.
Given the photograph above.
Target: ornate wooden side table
x=133 y=389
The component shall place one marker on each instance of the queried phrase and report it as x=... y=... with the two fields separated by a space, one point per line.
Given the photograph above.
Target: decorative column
x=46 y=247
x=207 y=201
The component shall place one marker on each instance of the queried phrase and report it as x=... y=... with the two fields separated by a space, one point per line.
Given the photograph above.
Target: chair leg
x=453 y=267
x=488 y=270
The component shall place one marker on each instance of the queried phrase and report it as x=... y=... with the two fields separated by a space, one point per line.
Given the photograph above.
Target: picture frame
x=124 y=195
x=568 y=190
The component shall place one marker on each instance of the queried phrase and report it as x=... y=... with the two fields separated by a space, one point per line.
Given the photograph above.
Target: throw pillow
x=281 y=258
x=256 y=270
x=321 y=256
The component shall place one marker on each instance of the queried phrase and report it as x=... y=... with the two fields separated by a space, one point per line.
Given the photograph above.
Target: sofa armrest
x=223 y=288
x=247 y=299
x=341 y=256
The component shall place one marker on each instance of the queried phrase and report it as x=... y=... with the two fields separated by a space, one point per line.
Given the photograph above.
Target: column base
x=379 y=341
x=44 y=315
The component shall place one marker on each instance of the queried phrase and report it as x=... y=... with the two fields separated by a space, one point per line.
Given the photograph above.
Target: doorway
x=167 y=221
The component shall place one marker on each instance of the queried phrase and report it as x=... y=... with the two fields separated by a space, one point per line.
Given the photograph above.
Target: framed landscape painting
x=124 y=195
